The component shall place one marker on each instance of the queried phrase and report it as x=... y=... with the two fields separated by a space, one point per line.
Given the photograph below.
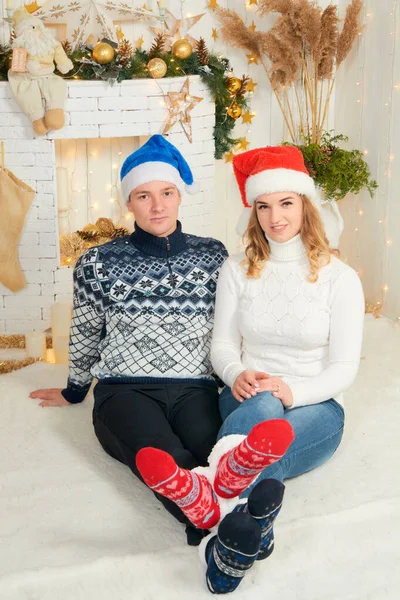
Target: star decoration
x=243 y=143
x=213 y=4
x=248 y=117
x=252 y=58
x=89 y=17
x=140 y=42
x=253 y=27
x=251 y=85
x=120 y=33
x=181 y=105
x=214 y=34
x=177 y=30
x=229 y=157
x=253 y=2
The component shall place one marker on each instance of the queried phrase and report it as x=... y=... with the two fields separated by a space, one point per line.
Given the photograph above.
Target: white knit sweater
x=309 y=334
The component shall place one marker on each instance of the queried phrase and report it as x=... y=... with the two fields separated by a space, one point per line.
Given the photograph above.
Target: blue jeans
x=318 y=430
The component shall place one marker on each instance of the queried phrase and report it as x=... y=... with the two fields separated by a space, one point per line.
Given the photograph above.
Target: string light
x=387 y=241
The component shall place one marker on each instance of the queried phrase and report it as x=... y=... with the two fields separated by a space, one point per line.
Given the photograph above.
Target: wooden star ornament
x=213 y=4
x=181 y=105
x=252 y=58
x=229 y=157
x=251 y=86
x=248 y=117
x=243 y=144
x=214 y=34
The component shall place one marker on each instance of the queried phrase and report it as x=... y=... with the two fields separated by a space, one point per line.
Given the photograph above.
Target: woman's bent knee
x=262 y=407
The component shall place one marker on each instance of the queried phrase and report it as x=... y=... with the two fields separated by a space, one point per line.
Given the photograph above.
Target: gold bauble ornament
x=103 y=53
x=157 y=67
x=234 y=111
x=234 y=84
x=182 y=48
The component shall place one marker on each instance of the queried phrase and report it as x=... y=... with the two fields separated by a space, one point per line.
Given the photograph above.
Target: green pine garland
x=214 y=75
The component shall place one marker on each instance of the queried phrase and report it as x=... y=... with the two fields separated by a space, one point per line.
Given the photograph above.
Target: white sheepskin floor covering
x=77 y=525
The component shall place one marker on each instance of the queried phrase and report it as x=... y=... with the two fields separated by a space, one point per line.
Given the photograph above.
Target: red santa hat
x=272 y=169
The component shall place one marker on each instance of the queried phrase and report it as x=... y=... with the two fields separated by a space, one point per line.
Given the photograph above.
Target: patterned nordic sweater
x=143 y=311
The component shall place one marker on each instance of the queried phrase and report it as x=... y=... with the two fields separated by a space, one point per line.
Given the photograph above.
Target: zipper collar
x=158 y=246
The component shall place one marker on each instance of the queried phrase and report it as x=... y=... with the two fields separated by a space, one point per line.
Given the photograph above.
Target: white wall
x=368 y=111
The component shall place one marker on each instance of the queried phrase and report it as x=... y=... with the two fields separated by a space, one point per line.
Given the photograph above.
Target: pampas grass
x=301 y=54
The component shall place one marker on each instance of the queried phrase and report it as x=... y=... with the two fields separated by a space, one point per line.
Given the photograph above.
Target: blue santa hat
x=156 y=160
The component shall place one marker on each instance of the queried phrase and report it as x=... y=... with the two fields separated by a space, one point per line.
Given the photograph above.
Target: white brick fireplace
x=93 y=110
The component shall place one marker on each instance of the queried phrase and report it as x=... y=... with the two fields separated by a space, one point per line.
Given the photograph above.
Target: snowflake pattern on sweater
x=143 y=310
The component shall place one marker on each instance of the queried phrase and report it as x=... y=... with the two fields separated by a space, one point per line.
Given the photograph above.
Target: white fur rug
x=76 y=525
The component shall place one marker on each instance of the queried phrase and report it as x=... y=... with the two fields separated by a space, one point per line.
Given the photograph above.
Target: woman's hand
x=279 y=389
x=247 y=384
x=50 y=397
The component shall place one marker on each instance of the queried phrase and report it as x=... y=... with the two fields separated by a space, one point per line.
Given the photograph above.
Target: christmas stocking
x=15 y=200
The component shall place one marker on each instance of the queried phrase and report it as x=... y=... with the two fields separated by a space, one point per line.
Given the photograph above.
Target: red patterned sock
x=266 y=443
x=191 y=492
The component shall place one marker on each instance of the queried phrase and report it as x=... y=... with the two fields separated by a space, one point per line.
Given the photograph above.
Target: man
x=141 y=324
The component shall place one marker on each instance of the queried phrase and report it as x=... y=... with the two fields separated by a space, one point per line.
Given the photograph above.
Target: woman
x=286 y=342
x=289 y=315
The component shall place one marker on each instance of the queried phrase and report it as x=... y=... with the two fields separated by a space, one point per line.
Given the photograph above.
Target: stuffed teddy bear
x=38 y=91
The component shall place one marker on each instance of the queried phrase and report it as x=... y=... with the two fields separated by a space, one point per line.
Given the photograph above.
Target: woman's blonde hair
x=312 y=234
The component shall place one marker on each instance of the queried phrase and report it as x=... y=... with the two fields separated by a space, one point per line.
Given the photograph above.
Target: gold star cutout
x=243 y=143
x=140 y=42
x=253 y=2
x=181 y=105
x=229 y=157
x=251 y=85
x=177 y=30
x=213 y=4
x=253 y=27
x=252 y=58
x=247 y=117
x=214 y=34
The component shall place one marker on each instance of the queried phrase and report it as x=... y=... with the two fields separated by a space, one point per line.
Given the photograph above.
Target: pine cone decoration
x=67 y=46
x=89 y=236
x=310 y=168
x=120 y=232
x=125 y=52
x=158 y=46
x=326 y=152
x=105 y=226
x=202 y=52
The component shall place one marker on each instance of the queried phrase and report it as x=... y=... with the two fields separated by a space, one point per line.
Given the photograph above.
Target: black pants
x=182 y=419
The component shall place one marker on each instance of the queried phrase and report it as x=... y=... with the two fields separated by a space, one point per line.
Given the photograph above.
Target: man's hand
x=247 y=384
x=50 y=397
